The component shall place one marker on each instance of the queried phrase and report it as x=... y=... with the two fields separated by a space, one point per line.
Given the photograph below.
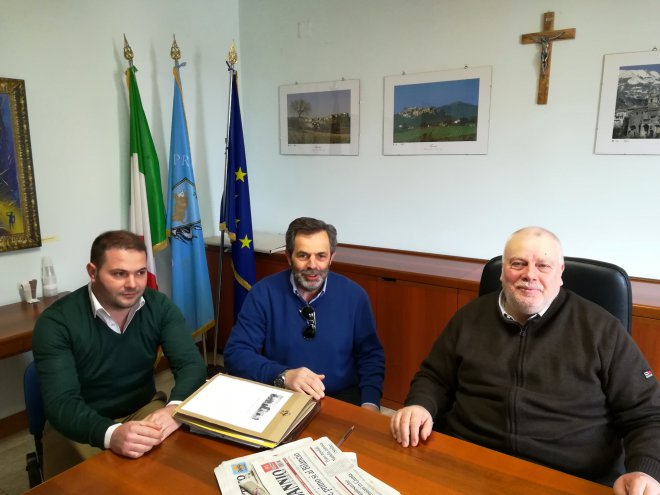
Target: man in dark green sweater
x=95 y=349
x=541 y=373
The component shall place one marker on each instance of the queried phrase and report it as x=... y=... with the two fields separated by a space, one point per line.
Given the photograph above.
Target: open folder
x=247 y=412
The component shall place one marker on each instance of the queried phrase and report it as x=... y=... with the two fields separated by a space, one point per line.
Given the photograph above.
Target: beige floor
x=14 y=448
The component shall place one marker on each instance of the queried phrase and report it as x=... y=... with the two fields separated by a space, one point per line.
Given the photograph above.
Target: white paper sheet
x=257 y=406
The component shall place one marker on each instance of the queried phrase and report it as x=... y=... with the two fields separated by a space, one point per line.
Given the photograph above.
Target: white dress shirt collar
x=100 y=312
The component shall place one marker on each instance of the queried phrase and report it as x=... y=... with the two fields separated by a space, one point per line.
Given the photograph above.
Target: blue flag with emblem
x=235 y=216
x=191 y=287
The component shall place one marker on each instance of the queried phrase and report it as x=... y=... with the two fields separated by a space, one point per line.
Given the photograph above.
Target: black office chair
x=603 y=283
x=34 y=407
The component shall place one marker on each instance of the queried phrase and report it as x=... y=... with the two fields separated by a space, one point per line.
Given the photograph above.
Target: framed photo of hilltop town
x=320 y=118
x=437 y=113
x=19 y=218
x=629 y=114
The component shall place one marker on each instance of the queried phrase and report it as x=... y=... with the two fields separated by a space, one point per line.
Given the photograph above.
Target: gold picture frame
x=19 y=216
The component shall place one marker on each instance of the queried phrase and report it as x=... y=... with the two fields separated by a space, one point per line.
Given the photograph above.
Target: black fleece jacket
x=569 y=390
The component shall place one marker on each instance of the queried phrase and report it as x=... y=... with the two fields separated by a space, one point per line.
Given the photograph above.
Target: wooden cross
x=545 y=39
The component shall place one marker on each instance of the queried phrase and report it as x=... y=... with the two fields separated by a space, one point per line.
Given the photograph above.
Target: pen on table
x=348 y=432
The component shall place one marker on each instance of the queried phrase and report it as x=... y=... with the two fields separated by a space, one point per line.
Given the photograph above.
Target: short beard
x=307 y=286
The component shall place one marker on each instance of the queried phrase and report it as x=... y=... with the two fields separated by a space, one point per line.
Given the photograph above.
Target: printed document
x=256 y=408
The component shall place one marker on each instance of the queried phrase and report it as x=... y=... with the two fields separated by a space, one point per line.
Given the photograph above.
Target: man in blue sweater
x=309 y=330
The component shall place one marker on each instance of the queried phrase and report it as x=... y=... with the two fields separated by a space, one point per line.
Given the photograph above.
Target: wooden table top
x=184 y=464
x=16 y=324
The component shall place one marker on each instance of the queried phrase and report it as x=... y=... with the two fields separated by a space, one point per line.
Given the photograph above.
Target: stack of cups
x=48 y=278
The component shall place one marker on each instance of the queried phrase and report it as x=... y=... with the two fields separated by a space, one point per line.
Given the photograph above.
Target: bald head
x=532 y=265
x=535 y=233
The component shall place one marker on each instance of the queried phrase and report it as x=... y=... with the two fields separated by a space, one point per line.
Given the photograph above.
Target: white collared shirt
x=100 y=312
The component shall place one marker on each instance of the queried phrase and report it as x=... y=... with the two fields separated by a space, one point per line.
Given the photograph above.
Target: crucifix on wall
x=545 y=38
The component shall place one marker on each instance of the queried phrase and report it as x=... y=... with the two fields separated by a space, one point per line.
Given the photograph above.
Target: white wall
x=540 y=168
x=70 y=54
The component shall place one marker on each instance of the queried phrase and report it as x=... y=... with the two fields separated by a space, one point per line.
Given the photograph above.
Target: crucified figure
x=544 y=41
x=545 y=38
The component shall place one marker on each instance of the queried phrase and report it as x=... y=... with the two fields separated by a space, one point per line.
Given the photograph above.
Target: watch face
x=279 y=381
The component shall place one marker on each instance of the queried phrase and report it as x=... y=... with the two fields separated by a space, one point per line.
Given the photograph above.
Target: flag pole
x=191 y=287
x=232 y=58
x=128 y=52
x=146 y=211
x=175 y=54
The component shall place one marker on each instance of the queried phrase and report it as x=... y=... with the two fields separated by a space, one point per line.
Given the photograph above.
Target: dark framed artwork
x=19 y=216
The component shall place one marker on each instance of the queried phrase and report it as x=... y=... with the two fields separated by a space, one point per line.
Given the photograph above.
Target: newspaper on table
x=230 y=474
x=305 y=468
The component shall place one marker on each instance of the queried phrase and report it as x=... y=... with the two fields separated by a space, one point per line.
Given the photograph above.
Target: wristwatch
x=280 y=380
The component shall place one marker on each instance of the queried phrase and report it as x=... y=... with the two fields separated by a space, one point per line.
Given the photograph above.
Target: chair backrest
x=34 y=405
x=605 y=284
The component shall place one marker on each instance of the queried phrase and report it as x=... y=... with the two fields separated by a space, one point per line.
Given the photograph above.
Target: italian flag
x=147 y=210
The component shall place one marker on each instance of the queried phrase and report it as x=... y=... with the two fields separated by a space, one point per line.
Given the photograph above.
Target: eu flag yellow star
x=240 y=175
x=245 y=242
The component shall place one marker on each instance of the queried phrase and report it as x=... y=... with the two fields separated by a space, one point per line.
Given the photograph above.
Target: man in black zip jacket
x=541 y=373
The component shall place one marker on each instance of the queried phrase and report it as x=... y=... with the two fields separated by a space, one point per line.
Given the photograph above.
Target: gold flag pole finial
x=232 y=57
x=128 y=52
x=175 y=52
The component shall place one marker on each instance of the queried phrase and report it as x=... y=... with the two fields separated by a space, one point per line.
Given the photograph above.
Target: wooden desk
x=184 y=464
x=16 y=324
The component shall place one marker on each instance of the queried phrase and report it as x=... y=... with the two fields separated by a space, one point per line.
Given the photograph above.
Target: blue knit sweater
x=267 y=337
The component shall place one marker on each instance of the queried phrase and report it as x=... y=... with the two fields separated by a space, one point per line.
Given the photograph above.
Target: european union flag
x=235 y=216
x=191 y=287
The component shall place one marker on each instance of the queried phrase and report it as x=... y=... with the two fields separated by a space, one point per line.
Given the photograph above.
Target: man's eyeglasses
x=308 y=313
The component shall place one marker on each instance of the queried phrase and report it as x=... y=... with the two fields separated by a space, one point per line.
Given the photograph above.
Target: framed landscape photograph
x=629 y=114
x=320 y=118
x=435 y=113
x=19 y=218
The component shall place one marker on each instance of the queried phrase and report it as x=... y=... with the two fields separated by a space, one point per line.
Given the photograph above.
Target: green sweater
x=90 y=374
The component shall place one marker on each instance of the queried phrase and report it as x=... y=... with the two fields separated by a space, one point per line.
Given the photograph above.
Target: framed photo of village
x=320 y=118
x=437 y=113
x=629 y=114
